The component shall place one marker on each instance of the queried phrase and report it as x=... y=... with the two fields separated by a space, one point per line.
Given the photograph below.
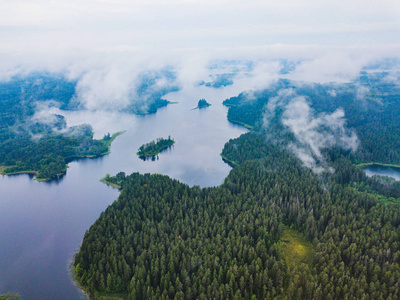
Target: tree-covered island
x=202 y=104
x=155 y=147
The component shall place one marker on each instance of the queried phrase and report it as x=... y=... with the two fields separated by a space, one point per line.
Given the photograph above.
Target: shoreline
x=197 y=107
x=114 y=185
x=241 y=123
x=113 y=137
x=18 y=172
x=228 y=161
x=30 y=172
x=159 y=151
x=72 y=275
x=75 y=281
x=370 y=164
x=67 y=161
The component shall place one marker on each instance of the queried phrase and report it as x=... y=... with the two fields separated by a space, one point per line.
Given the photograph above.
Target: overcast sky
x=88 y=34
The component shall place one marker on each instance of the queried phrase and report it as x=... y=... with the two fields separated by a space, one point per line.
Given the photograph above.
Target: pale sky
x=91 y=34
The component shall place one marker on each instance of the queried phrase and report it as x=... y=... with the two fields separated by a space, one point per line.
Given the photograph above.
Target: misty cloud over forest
x=313 y=132
x=125 y=54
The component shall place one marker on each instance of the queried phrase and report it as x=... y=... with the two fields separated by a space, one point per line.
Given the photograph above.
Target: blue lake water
x=383 y=171
x=42 y=224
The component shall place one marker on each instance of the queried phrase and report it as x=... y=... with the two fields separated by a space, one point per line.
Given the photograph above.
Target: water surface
x=42 y=224
x=383 y=171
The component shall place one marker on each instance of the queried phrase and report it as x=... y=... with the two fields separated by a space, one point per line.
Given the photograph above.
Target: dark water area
x=383 y=171
x=42 y=224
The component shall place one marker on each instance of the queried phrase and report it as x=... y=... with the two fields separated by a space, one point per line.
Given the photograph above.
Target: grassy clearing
x=229 y=162
x=241 y=123
x=296 y=248
x=103 y=180
x=113 y=137
x=297 y=251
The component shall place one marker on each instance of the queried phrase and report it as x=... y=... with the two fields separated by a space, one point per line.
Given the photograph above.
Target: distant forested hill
x=19 y=96
x=41 y=145
x=371 y=107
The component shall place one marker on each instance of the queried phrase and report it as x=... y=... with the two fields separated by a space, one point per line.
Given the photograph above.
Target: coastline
x=241 y=123
x=83 y=289
x=154 y=153
x=228 y=161
x=67 y=160
x=113 y=137
x=114 y=185
x=200 y=107
x=370 y=164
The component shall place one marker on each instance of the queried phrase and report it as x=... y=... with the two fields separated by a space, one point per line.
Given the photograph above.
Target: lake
x=383 y=171
x=42 y=224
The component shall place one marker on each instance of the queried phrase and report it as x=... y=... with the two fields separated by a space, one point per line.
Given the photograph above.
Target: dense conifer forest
x=370 y=105
x=162 y=239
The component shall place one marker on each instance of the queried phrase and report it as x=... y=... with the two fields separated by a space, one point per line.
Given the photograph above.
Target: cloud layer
x=316 y=132
x=60 y=34
x=312 y=132
x=105 y=45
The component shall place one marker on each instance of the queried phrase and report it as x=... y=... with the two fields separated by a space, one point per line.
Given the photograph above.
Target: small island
x=155 y=147
x=202 y=104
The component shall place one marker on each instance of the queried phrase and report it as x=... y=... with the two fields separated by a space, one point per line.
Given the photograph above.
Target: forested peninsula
x=277 y=228
x=47 y=158
x=162 y=239
x=42 y=146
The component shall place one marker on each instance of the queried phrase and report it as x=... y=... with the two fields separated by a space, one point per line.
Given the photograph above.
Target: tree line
x=164 y=240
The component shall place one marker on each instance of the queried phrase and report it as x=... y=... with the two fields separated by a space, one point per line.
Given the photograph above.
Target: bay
x=42 y=224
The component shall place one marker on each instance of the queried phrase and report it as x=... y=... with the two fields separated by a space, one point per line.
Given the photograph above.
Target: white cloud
x=107 y=42
x=312 y=132
x=174 y=24
x=316 y=132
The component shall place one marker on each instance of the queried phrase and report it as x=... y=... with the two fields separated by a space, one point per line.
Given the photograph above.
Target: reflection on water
x=383 y=171
x=42 y=224
x=149 y=158
x=156 y=157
